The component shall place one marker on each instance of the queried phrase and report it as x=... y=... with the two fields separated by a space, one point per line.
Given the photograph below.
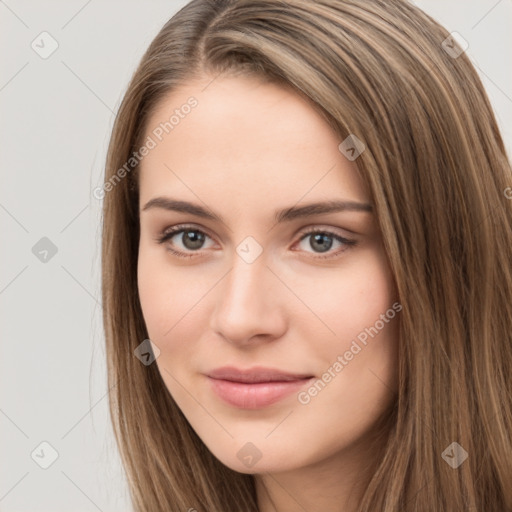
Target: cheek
x=162 y=292
x=151 y=287
x=167 y=300
x=173 y=300
x=364 y=314
x=358 y=298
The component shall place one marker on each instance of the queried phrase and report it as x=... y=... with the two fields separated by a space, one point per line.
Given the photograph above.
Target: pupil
x=321 y=238
x=193 y=239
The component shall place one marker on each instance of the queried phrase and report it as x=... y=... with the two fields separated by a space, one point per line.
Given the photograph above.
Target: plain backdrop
x=55 y=121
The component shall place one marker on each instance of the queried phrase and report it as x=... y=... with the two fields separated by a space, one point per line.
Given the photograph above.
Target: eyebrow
x=284 y=215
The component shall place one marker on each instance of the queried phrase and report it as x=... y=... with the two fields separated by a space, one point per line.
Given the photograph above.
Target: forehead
x=253 y=139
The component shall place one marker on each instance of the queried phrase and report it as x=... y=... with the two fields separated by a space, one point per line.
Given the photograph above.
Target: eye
x=322 y=240
x=192 y=239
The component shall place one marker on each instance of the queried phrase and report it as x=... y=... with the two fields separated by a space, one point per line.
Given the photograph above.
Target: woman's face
x=305 y=317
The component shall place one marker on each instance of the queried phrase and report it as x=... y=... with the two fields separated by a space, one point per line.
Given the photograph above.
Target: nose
x=250 y=306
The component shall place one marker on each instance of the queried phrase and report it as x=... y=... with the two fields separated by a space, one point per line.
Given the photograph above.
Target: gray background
x=56 y=116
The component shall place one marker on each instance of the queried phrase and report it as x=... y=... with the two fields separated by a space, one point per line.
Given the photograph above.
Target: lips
x=256 y=387
x=255 y=374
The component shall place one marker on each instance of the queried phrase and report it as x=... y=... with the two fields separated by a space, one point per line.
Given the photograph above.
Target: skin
x=247 y=149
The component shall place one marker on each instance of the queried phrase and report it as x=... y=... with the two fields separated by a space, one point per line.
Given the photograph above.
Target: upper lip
x=255 y=374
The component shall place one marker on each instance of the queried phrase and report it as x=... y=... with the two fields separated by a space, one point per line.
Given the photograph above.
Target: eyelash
x=171 y=232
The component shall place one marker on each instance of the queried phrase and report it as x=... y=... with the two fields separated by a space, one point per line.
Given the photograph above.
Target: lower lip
x=257 y=395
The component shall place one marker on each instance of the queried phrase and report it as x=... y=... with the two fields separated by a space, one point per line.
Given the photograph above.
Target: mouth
x=255 y=388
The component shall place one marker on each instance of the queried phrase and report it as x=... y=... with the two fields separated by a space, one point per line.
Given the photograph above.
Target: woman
x=253 y=372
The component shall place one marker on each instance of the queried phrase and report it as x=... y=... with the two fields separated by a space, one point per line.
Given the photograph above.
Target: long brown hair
x=440 y=182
